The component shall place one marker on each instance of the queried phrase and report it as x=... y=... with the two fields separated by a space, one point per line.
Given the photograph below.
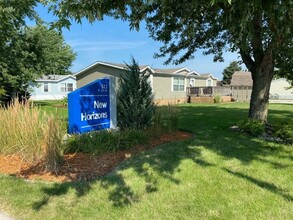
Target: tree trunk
x=259 y=102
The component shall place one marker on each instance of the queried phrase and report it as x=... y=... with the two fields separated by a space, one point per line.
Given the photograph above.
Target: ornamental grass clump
x=166 y=119
x=30 y=133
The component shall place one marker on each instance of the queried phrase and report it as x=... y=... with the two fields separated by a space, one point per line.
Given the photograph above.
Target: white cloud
x=78 y=45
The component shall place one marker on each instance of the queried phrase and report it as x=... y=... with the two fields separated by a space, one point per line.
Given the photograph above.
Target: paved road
x=4 y=217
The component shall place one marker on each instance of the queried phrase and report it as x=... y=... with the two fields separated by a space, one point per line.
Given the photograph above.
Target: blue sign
x=90 y=107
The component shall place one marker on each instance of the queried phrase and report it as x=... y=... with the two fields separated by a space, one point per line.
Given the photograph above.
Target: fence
x=238 y=93
x=209 y=91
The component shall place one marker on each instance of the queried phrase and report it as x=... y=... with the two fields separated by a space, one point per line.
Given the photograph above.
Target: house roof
x=141 y=67
x=168 y=71
x=54 y=78
x=241 y=78
x=204 y=76
x=171 y=70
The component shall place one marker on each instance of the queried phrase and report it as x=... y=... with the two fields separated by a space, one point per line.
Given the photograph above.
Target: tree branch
x=247 y=60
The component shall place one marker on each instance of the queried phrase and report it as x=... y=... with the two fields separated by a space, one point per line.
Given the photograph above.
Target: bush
x=100 y=142
x=217 y=99
x=284 y=130
x=30 y=133
x=252 y=127
x=135 y=106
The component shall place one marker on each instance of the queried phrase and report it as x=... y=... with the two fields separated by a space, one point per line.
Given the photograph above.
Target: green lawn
x=219 y=174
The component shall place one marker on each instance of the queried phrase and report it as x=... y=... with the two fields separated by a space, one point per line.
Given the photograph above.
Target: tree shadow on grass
x=211 y=126
x=263 y=184
x=60 y=189
x=160 y=162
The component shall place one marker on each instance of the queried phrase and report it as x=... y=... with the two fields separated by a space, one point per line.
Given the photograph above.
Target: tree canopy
x=26 y=53
x=260 y=31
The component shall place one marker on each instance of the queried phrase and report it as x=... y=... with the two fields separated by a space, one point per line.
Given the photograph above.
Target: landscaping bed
x=80 y=166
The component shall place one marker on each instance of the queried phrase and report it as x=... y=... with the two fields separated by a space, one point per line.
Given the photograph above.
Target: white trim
x=43 y=87
x=149 y=68
x=193 y=72
x=192 y=80
x=54 y=80
x=172 y=83
x=152 y=82
x=207 y=81
x=212 y=77
x=180 y=70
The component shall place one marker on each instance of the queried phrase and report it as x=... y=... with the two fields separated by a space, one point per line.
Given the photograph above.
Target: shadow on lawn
x=263 y=184
x=164 y=161
x=159 y=162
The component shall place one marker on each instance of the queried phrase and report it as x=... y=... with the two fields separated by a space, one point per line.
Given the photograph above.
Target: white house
x=52 y=87
x=281 y=89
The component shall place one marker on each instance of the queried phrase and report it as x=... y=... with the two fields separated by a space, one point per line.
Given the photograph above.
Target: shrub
x=284 y=130
x=100 y=142
x=217 y=99
x=135 y=106
x=29 y=132
x=252 y=127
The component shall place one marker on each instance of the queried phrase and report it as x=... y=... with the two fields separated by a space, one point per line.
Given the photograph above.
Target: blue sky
x=112 y=41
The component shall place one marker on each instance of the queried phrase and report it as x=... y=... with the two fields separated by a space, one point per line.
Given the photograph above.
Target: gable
x=241 y=78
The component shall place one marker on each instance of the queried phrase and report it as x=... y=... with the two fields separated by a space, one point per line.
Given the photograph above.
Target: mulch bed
x=79 y=166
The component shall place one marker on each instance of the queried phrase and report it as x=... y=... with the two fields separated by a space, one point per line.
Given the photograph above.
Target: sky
x=112 y=41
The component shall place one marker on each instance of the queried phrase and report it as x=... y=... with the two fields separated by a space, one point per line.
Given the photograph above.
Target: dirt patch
x=79 y=166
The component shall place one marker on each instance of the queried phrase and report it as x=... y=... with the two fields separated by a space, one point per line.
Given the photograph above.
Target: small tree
x=228 y=72
x=135 y=106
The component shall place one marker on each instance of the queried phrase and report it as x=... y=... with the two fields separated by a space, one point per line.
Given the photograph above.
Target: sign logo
x=90 y=107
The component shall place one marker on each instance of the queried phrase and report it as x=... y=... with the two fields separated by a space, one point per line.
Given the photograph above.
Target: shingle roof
x=170 y=71
x=241 y=78
x=53 y=77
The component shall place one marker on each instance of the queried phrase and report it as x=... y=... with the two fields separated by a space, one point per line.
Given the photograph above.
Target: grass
x=219 y=174
x=56 y=108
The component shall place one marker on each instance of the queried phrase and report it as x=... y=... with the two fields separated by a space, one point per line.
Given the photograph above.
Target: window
x=192 y=82
x=209 y=82
x=46 y=87
x=66 y=87
x=178 y=84
x=69 y=87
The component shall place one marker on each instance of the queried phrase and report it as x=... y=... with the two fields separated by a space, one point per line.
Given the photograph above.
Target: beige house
x=169 y=85
x=202 y=80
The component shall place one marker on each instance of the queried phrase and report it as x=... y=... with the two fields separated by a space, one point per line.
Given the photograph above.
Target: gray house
x=241 y=86
x=169 y=85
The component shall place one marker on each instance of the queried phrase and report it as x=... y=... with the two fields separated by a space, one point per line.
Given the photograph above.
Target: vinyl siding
x=204 y=82
x=279 y=87
x=162 y=87
x=97 y=72
x=54 y=91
